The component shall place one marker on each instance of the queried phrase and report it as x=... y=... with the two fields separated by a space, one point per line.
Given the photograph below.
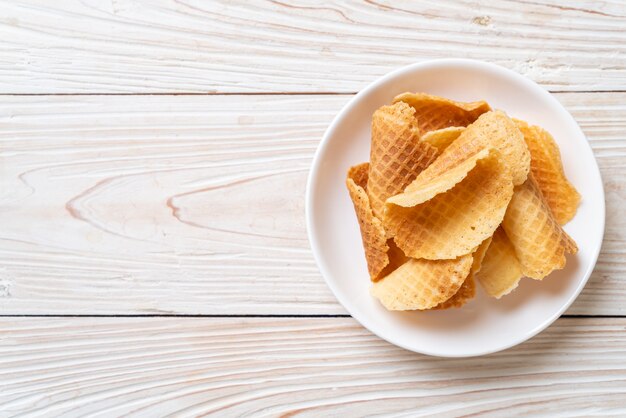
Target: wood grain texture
x=143 y=204
x=87 y=46
x=187 y=367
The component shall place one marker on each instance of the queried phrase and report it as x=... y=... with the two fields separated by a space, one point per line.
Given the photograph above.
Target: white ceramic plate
x=484 y=325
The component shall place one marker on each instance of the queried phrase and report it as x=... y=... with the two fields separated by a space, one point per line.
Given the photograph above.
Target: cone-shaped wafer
x=454 y=212
x=372 y=232
x=441 y=138
x=547 y=169
x=433 y=112
x=468 y=289
x=422 y=284
x=500 y=271
x=397 y=156
x=539 y=241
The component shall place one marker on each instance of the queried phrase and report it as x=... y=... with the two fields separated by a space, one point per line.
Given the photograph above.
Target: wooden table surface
x=153 y=252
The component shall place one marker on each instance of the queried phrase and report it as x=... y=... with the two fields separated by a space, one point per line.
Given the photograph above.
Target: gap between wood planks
x=237 y=316
x=260 y=93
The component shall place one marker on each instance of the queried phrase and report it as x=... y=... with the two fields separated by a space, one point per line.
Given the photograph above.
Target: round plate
x=484 y=325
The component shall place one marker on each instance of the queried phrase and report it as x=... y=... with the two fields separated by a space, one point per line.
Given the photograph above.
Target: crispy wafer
x=397 y=156
x=539 y=241
x=547 y=168
x=456 y=211
x=372 y=232
x=500 y=272
x=422 y=284
x=434 y=112
x=441 y=138
x=467 y=291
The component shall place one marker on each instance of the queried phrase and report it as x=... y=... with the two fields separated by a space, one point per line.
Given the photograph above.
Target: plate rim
x=317 y=161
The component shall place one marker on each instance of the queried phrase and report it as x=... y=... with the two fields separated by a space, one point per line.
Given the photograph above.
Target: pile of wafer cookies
x=456 y=193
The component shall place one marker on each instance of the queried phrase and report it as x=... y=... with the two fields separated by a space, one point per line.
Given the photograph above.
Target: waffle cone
x=441 y=138
x=547 y=168
x=397 y=156
x=451 y=214
x=433 y=112
x=372 y=232
x=422 y=284
x=500 y=272
x=539 y=241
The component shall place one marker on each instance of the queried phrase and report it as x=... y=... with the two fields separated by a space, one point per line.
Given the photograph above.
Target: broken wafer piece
x=539 y=241
x=441 y=138
x=451 y=214
x=434 y=112
x=500 y=271
x=397 y=156
x=372 y=232
x=467 y=290
x=422 y=284
x=547 y=168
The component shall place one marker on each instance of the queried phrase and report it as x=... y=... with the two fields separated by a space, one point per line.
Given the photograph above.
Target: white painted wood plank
x=194 y=204
x=74 y=46
x=303 y=367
